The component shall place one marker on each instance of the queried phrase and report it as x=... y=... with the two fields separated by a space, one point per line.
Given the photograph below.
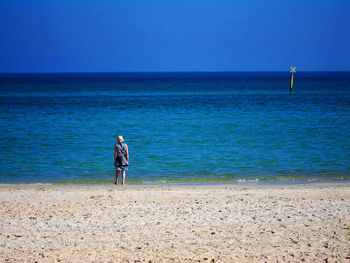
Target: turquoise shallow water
x=180 y=127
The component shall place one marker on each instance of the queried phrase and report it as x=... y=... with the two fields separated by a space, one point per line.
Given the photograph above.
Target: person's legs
x=123 y=176
x=116 y=176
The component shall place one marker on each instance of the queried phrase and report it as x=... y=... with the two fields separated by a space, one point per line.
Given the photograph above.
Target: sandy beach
x=175 y=223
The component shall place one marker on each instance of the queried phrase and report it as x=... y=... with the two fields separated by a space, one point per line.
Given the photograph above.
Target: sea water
x=179 y=127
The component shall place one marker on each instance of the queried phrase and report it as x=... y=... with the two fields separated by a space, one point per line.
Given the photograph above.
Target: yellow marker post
x=292 y=78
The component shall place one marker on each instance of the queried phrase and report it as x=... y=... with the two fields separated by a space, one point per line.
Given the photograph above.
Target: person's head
x=120 y=138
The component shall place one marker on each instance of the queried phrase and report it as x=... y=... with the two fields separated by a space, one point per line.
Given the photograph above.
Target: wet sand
x=192 y=223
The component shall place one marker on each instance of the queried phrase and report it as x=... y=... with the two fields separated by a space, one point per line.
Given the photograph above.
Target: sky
x=179 y=35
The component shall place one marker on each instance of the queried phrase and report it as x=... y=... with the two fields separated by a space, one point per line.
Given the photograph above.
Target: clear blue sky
x=179 y=35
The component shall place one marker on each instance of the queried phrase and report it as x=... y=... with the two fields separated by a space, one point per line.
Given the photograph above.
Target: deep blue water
x=178 y=126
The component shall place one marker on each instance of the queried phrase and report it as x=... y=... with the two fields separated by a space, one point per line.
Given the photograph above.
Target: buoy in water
x=292 y=78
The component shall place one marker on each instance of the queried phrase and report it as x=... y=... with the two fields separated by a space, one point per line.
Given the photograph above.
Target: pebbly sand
x=203 y=223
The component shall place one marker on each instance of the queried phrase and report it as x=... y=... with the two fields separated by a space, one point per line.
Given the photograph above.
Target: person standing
x=121 y=159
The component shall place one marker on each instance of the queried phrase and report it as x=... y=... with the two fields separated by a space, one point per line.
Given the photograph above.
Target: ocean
x=179 y=127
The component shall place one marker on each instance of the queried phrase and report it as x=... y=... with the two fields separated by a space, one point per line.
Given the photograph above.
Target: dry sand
x=206 y=223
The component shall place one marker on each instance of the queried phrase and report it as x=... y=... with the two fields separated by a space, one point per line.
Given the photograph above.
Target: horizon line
x=133 y=72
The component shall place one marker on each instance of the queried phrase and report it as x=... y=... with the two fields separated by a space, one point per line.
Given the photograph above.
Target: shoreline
x=215 y=183
x=175 y=223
